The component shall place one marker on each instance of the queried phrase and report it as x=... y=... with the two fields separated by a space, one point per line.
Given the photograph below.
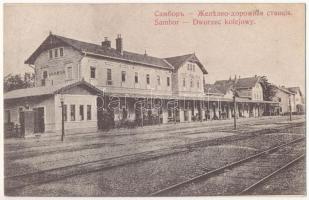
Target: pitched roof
x=178 y=61
x=211 y=89
x=248 y=82
x=295 y=90
x=224 y=85
x=98 y=50
x=284 y=89
x=46 y=90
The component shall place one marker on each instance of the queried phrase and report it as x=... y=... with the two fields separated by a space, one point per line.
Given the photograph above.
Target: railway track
x=13 y=183
x=216 y=182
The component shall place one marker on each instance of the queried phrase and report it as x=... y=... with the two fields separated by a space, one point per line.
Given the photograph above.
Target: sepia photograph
x=154 y=100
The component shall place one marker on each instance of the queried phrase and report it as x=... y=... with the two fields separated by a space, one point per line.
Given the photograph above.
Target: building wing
x=98 y=50
x=48 y=90
x=178 y=61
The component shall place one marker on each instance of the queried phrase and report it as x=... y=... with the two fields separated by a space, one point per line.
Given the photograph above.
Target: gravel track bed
x=234 y=180
x=23 y=165
x=291 y=181
x=145 y=177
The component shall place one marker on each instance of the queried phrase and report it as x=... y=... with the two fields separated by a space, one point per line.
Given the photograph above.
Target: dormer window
x=56 y=53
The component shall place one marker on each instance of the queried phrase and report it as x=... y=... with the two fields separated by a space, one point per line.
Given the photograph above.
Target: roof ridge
x=190 y=54
x=130 y=52
x=99 y=50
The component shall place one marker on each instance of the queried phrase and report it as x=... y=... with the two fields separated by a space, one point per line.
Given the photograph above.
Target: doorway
x=39 y=121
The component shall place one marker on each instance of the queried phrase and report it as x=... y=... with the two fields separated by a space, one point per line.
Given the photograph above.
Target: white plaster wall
x=77 y=100
x=257 y=92
x=197 y=75
x=43 y=63
x=47 y=103
x=284 y=104
x=129 y=86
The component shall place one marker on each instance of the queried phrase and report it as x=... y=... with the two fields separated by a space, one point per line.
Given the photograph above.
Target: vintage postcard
x=141 y=100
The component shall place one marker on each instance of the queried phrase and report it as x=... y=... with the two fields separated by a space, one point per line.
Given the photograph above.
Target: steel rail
x=174 y=149
x=218 y=170
x=251 y=187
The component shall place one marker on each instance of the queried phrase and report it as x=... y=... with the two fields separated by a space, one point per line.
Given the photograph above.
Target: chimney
x=145 y=54
x=106 y=43
x=255 y=76
x=119 y=45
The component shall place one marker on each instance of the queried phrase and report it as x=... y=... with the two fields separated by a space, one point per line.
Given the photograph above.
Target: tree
x=269 y=89
x=13 y=82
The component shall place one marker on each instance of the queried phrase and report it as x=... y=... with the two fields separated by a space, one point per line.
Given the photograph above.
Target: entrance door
x=100 y=113
x=22 y=123
x=39 y=126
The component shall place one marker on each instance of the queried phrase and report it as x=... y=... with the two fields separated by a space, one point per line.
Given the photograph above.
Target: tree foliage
x=269 y=89
x=18 y=81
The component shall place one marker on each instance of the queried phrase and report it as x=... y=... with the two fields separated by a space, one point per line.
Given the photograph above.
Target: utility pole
x=290 y=106
x=62 y=118
x=142 y=115
x=234 y=101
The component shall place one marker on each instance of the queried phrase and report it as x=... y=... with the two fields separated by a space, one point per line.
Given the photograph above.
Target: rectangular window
x=81 y=112
x=191 y=83
x=168 y=81
x=72 y=112
x=7 y=116
x=148 y=79
x=136 y=77
x=193 y=67
x=109 y=77
x=43 y=82
x=109 y=74
x=123 y=76
x=159 y=80
x=184 y=82
x=69 y=73
x=88 y=112
x=188 y=66
x=56 y=53
x=92 y=72
x=198 y=84
x=50 y=54
x=45 y=74
x=61 y=52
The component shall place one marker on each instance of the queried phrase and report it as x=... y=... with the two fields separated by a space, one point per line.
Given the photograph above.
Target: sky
x=273 y=46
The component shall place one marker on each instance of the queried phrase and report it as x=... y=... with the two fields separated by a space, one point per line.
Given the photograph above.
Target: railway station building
x=92 y=80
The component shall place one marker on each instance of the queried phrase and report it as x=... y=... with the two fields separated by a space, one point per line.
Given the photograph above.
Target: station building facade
x=289 y=99
x=92 y=78
x=298 y=98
